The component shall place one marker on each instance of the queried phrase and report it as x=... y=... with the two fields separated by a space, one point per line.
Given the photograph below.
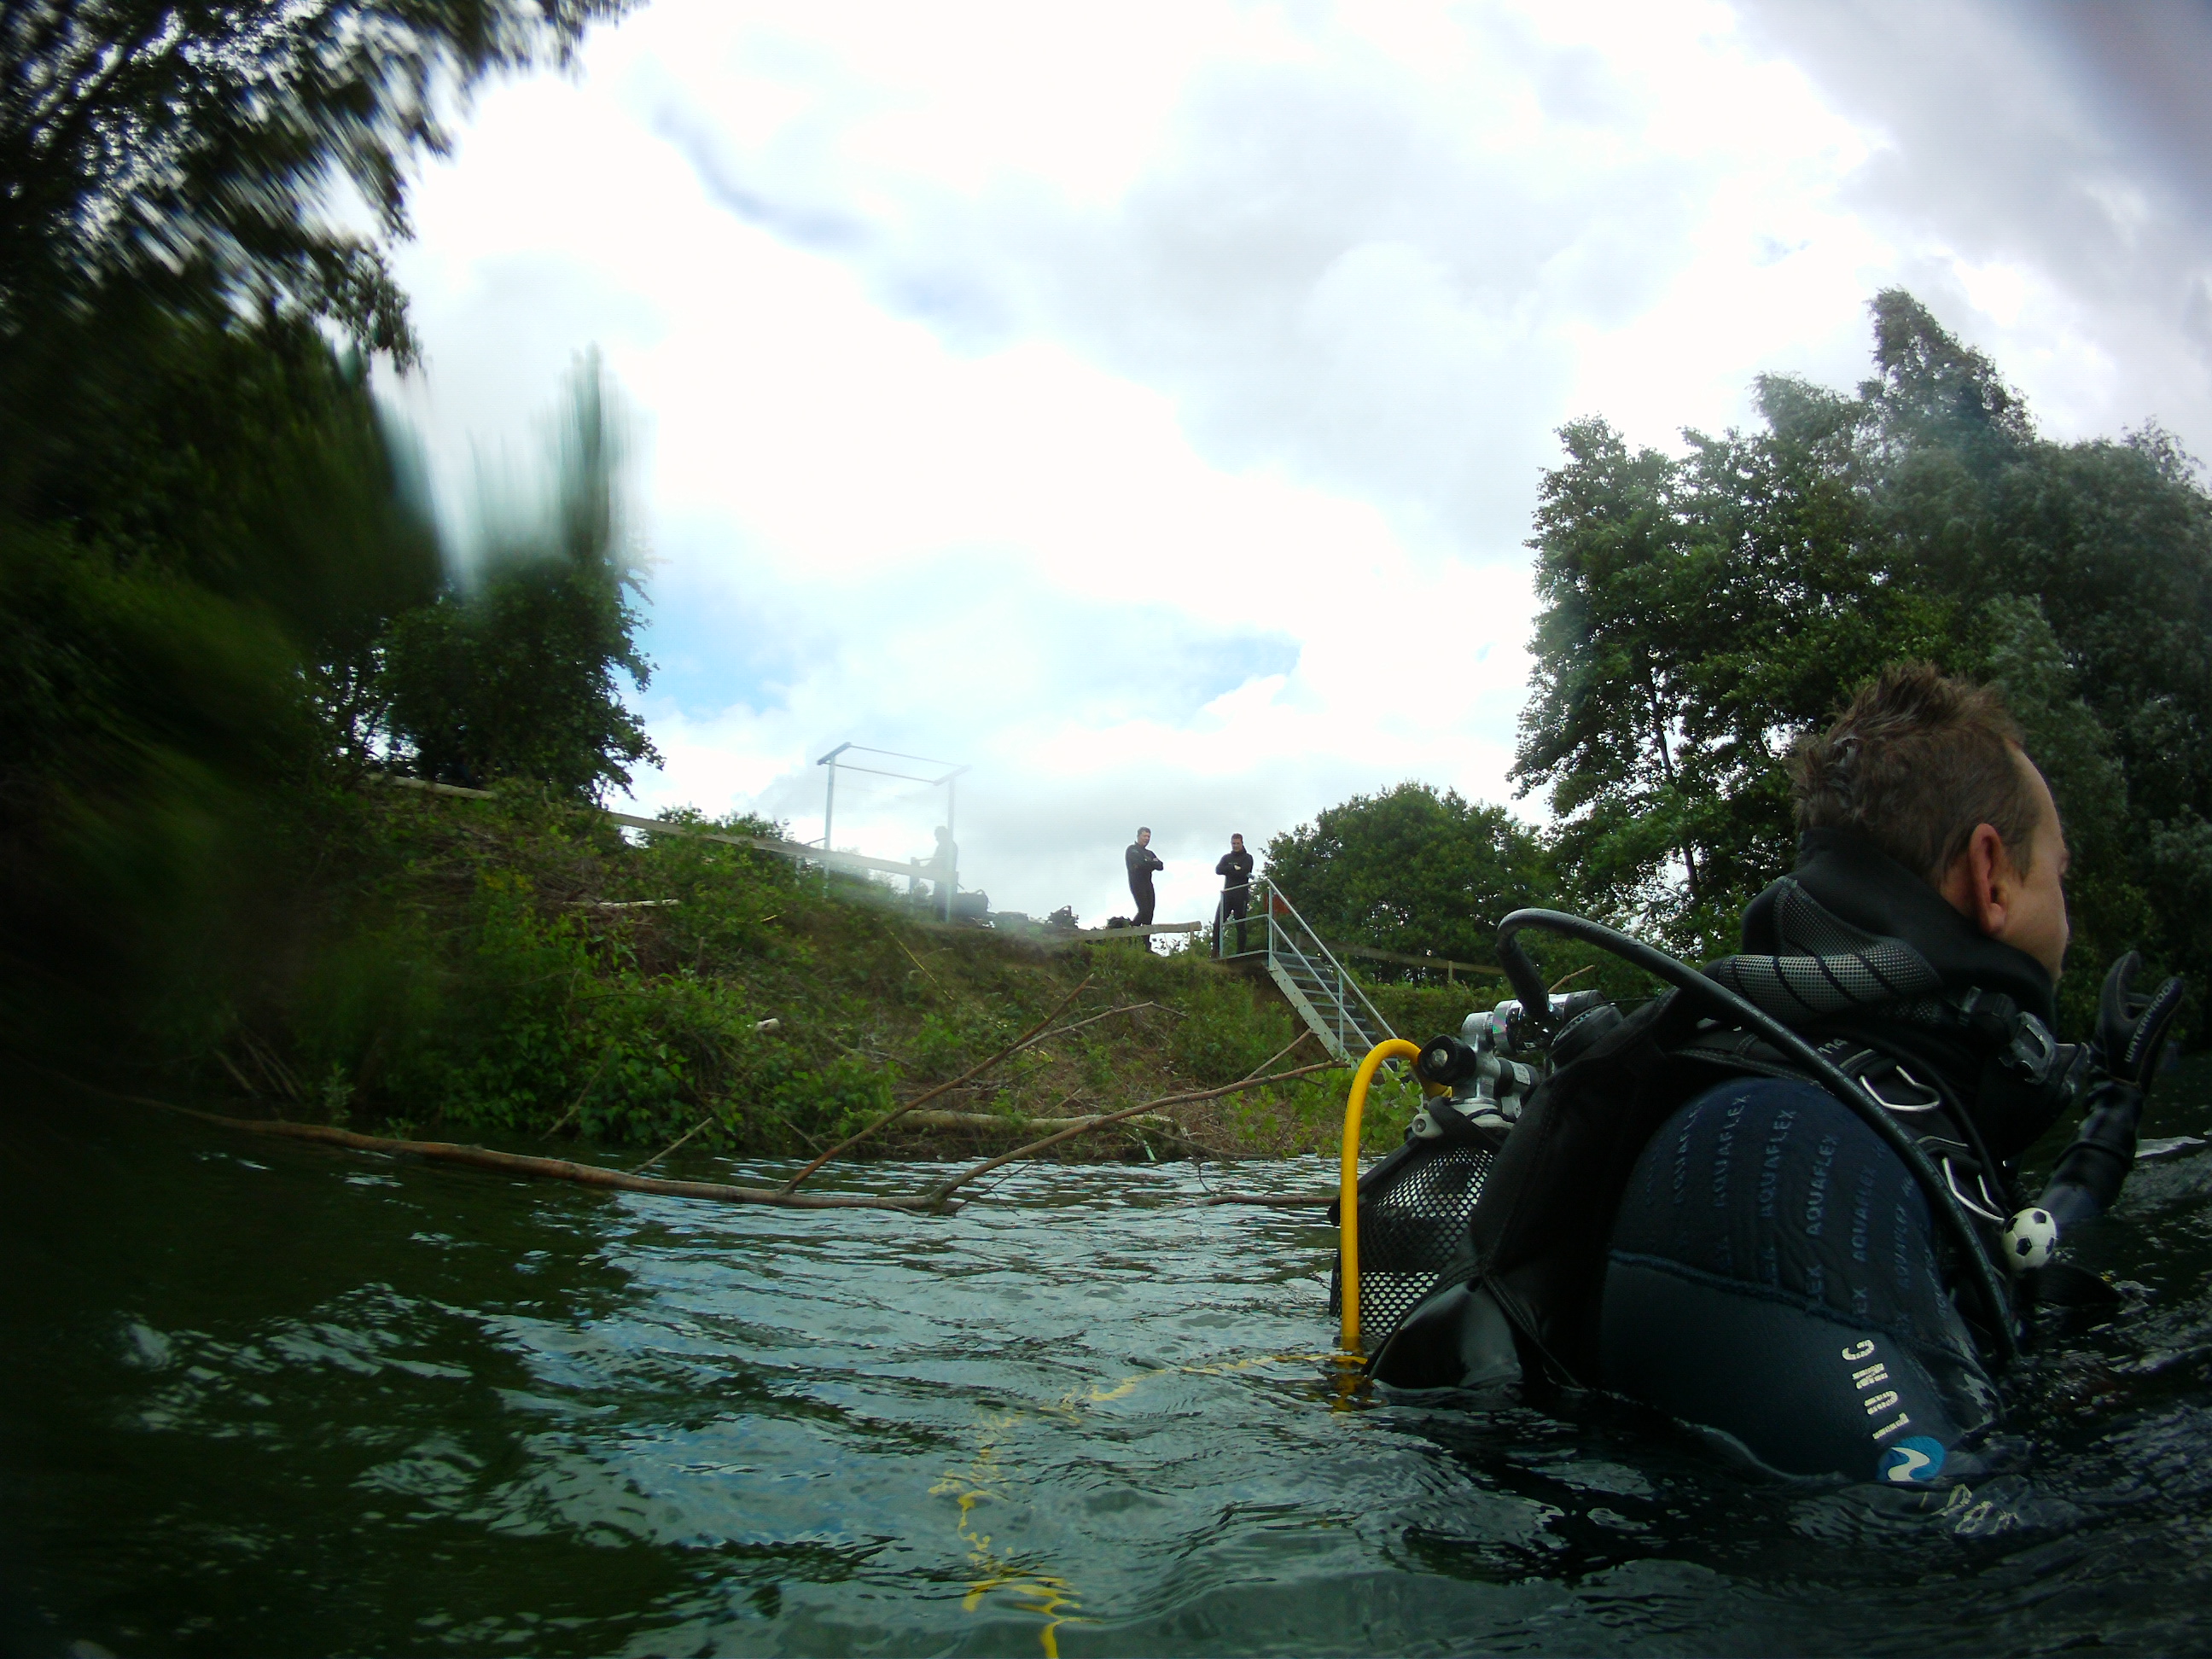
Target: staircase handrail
x=1343 y=979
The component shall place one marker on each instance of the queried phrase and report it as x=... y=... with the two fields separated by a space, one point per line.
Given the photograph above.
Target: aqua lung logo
x=1866 y=1381
x=1912 y=1461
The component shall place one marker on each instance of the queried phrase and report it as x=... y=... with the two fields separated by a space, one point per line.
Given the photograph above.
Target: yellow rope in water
x=1051 y=1598
x=1046 y=1596
x=1348 y=1185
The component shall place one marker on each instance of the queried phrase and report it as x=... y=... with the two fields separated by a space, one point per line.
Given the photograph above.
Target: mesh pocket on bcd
x=1412 y=1229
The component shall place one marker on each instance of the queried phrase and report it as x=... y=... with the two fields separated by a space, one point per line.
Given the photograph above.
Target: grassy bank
x=465 y=967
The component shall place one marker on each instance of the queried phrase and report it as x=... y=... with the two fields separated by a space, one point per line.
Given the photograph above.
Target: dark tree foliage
x=206 y=531
x=195 y=149
x=515 y=676
x=1665 y=695
x=1410 y=871
x=249 y=461
x=202 y=532
x=1700 y=610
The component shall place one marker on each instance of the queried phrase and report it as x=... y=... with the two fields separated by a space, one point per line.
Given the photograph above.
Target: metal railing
x=1308 y=974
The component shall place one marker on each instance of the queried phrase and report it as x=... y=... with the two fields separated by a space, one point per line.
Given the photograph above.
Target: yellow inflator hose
x=1348 y=1184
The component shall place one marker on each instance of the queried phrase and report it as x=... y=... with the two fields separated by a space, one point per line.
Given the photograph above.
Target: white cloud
x=1147 y=406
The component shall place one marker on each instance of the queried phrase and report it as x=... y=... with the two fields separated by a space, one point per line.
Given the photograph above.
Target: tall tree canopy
x=1701 y=610
x=193 y=147
x=1411 y=869
x=515 y=674
x=209 y=538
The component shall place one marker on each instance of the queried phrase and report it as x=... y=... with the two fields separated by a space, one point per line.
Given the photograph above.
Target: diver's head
x=1931 y=770
x=1143 y=837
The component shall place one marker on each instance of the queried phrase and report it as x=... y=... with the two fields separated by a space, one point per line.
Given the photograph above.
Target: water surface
x=269 y=1398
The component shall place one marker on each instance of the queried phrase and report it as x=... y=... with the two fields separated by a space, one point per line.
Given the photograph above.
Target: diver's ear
x=1982 y=882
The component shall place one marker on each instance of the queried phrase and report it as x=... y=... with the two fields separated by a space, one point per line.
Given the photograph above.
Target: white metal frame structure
x=950 y=881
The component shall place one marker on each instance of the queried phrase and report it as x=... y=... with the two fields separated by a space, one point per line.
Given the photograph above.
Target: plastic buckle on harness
x=2032 y=1050
x=1934 y=1100
x=1981 y=1180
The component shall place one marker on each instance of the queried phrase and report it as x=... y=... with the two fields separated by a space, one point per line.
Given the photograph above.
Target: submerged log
x=942 y=1193
x=1272 y=1201
x=1023 y=1125
x=561 y=1169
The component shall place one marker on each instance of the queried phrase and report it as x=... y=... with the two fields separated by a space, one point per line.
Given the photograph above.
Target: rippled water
x=265 y=1398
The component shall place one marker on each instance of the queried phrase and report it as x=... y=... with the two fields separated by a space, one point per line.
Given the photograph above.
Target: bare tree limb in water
x=1272 y=1201
x=711 y=1117
x=944 y=1190
x=555 y=1168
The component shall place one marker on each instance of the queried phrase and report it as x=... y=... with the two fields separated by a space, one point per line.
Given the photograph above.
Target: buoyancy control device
x=1484 y=1237
x=1415 y=1205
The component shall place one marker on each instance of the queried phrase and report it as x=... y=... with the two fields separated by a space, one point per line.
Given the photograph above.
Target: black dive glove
x=2124 y=1056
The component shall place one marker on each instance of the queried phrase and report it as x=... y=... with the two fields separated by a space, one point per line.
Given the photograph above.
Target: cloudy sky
x=1145 y=406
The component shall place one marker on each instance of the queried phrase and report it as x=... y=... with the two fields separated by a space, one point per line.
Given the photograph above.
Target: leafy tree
x=251 y=462
x=192 y=148
x=205 y=529
x=1662 y=706
x=1411 y=871
x=515 y=676
x=1701 y=610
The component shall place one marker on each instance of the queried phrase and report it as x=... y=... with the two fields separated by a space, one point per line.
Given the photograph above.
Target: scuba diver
x=1682 y=1214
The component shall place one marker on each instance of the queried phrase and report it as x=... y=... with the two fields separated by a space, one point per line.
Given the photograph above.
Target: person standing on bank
x=1142 y=862
x=1235 y=870
x=945 y=866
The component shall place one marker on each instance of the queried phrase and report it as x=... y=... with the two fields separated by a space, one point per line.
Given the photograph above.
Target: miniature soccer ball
x=2030 y=1239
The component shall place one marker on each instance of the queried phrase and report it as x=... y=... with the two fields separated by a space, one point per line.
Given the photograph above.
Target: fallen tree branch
x=937 y=1201
x=1280 y=1053
x=554 y=1169
x=897 y=1112
x=927 y=1120
x=1046 y=1037
x=917 y=962
x=1171 y=1132
x=577 y=1104
x=1272 y=1201
x=678 y=1141
x=944 y=1190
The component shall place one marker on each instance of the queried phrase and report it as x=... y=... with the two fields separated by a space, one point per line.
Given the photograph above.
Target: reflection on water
x=273 y=1399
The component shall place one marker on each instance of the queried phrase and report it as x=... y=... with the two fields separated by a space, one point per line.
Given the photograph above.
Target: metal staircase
x=1311 y=980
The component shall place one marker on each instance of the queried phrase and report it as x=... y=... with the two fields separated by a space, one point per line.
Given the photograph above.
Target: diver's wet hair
x=1916 y=762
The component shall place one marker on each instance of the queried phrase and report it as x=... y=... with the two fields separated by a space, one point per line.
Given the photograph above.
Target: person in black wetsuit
x=1774 y=1274
x=1235 y=869
x=1142 y=861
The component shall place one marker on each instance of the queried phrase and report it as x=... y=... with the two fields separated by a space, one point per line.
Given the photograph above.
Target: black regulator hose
x=1536 y=1002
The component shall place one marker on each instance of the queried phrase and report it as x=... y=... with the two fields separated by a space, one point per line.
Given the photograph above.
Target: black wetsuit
x=1142 y=861
x=1774 y=1272
x=1235 y=869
